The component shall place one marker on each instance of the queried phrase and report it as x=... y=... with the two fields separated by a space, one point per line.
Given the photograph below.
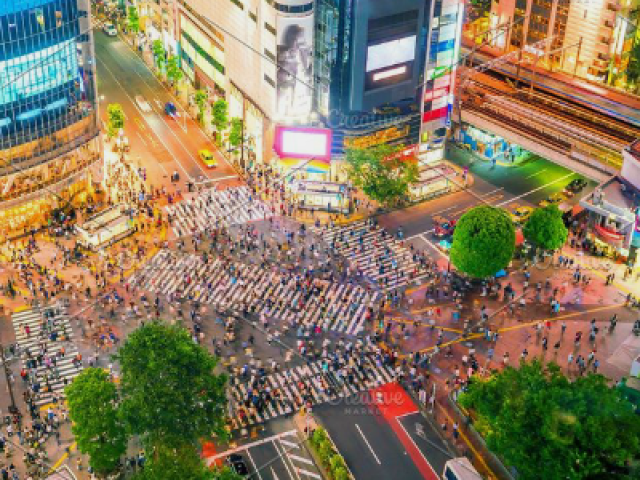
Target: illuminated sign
x=378 y=138
x=300 y=142
x=394 y=72
x=391 y=53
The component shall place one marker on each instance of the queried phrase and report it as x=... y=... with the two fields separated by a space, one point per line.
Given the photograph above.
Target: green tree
x=115 y=115
x=382 y=176
x=134 y=19
x=235 y=135
x=157 y=48
x=181 y=462
x=549 y=427
x=174 y=73
x=545 y=228
x=200 y=97
x=633 y=67
x=93 y=408
x=220 y=116
x=170 y=393
x=483 y=241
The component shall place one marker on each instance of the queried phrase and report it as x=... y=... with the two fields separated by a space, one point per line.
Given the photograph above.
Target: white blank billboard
x=304 y=143
x=390 y=53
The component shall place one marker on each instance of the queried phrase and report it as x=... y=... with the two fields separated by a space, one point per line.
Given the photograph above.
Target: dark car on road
x=170 y=109
x=443 y=227
x=575 y=186
x=237 y=463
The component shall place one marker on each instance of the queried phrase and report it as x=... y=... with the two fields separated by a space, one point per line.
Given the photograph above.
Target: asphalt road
x=377 y=437
x=505 y=186
x=167 y=145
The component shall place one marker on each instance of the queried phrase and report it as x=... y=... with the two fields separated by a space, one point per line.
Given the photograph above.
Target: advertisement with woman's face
x=295 y=66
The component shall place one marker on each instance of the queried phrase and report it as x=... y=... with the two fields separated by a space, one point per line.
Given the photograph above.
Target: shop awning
x=608 y=236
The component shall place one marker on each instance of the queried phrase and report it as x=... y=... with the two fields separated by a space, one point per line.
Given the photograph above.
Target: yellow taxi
x=207 y=158
x=520 y=215
x=553 y=199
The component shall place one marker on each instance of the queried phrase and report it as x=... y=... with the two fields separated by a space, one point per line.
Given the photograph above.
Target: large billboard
x=295 y=67
x=302 y=142
x=391 y=52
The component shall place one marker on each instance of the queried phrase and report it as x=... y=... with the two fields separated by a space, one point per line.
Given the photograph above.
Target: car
x=443 y=227
x=110 y=29
x=238 y=464
x=575 y=186
x=553 y=199
x=207 y=158
x=170 y=109
x=521 y=214
x=143 y=104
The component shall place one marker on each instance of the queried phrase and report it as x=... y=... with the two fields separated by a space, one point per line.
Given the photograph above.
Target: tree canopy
x=170 y=393
x=546 y=426
x=382 y=176
x=174 y=73
x=220 y=115
x=134 y=19
x=545 y=228
x=93 y=408
x=483 y=241
x=115 y=115
x=235 y=135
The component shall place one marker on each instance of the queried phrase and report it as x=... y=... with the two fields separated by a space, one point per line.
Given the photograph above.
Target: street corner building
x=49 y=133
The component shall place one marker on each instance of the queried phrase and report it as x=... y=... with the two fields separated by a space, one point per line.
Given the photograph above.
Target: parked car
x=575 y=186
x=207 y=158
x=443 y=227
x=238 y=464
x=553 y=199
x=520 y=215
x=110 y=29
x=143 y=104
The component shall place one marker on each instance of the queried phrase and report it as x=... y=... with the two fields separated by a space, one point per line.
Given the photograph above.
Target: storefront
x=315 y=195
x=489 y=145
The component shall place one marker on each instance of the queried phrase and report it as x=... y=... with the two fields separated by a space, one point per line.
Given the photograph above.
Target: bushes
x=330 y=458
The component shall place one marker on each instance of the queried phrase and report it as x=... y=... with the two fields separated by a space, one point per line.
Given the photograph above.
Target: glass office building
x=49 y=135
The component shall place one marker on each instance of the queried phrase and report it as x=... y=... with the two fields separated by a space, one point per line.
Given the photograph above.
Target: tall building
x=49 y=135
x=585 y=35
x=355 y=66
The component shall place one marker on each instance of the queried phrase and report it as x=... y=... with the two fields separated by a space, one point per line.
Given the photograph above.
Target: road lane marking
x=284 y=456
x=226 y=453
x=255 y=467
x=433 y=246
x=289 y=444
x=413 y=441
x=309 y=474
x=368 y=444
x=442 y=211
x=492 y=191
x=138 y=108
x=537 y=173
x=300 y=459
x=536 y=189
x=142 y=138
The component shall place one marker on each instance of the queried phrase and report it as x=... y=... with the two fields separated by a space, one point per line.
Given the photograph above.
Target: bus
x=460 y=469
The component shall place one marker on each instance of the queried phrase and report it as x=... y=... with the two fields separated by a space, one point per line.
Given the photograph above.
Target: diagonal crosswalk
x=234 y=205
x=376 y=253
x=328 y=305
x=42 y=340
x=282 y=393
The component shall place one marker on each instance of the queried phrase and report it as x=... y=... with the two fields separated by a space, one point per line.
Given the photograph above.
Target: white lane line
x=273 y=474
x=135 y=105
x=537 y=173
x=445 y=210
x=492 y=191
x=535 y=189
x=302 y=471
x=420 y=234
x=434 y=246
x=284 y=456
x=368 y=445
x=300 y=459
x=226 y=453
x=255 y=467
x=289 y=444
x=142 y=138
x=417 y=448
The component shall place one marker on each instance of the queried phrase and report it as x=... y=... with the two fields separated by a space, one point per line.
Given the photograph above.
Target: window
x=270 y=55
x=253 y=17
x=269 y=80
x=269 y=28
x=238 y=4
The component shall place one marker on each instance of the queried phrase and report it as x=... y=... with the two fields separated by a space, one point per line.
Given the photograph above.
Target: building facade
x=357 y=67
x=49 y=134
x=585 y=36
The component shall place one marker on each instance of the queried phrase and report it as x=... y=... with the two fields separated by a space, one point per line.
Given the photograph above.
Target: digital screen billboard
x=392 y=52
x=295 y=66
x=299 y=142
x=37 y=72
